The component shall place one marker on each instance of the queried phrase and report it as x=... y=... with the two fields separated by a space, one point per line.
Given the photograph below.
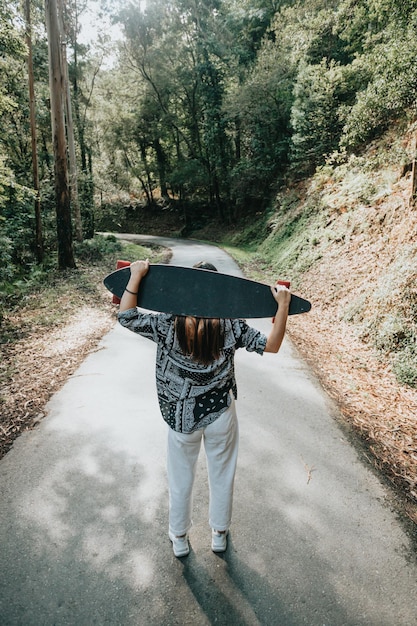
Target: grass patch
x=242 y=256
x=391 y=322
x=405 y=366
x=293 y=245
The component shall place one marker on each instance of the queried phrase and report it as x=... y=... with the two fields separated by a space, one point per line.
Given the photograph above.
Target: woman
x=196 y=389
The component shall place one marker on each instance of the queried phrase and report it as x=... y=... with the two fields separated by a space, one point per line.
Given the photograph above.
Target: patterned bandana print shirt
x=192 y=395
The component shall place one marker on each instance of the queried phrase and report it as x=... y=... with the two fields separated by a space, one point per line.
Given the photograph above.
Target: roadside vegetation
x=53 y=321
x=346 y=238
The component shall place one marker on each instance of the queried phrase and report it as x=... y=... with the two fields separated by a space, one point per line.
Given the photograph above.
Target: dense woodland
x=209 y=106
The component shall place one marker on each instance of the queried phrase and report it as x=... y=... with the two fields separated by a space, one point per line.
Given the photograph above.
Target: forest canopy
x=213 y=104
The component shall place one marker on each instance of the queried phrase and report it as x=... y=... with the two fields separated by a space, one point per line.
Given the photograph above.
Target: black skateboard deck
x=201 y=293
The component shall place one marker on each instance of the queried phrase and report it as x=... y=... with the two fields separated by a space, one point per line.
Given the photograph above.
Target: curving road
x=83 y=512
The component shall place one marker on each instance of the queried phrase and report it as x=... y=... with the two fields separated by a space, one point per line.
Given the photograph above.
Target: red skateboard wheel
x=119 y=265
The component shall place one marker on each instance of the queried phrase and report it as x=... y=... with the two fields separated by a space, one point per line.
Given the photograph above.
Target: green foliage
x=175 y=125
x=390 y=334
x=16 y=225
x=6 y=251
x=405 y=366
x=396 y=336
x=189 y=176
x=95 y=250
x=392 y=88
x=322 y=93
x=225 y=99
x=249 y=21
x=289 y=248
x=325 y=41
x=263 y=147
x=213 y=104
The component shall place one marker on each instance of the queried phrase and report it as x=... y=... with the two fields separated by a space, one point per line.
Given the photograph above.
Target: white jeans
x=221 y=441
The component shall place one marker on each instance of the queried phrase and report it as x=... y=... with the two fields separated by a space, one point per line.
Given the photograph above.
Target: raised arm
x=282 y=296
x=138 y=270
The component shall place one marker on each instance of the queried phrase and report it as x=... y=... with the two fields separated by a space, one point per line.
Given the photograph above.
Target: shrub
x=391 y=334
x=96 y=249
x=322 y=93
x=391 y=89
x=6 y=267
x=405 y=366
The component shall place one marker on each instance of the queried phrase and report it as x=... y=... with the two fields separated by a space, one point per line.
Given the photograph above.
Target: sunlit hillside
x=347 y=238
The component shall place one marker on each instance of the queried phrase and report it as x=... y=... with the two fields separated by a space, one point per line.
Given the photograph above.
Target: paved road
x=83 y=510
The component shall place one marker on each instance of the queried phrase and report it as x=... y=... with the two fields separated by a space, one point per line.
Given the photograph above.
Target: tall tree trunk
x=80 y=123
x=73 y=178
x=38 y=218
x=149 y=195
x=161 y=160
x=238 y=143
x=413 y=187
x=56 y=86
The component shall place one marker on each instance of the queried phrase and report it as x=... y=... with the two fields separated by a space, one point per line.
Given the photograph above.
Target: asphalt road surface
x=83 y=510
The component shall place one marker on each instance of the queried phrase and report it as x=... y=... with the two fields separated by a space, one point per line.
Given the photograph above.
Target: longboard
x=201 y=293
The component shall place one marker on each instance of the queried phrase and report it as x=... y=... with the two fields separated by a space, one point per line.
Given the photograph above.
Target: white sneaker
x=180 y=545
x=219 y=541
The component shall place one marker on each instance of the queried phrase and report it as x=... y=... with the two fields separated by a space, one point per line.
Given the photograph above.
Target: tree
x=218 y=102
x=84 y=67
x=38 y=219
x=315 y=120
x=57 y=95
x=180 y=77
x=16 y=198
x=261 y=107
x=391 y=86
x=72 y=160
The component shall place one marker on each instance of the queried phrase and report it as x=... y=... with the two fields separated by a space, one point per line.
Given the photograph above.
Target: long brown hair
x=200 y=338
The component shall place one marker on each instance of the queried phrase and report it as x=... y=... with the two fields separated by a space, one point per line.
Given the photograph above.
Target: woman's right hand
x=139 y=269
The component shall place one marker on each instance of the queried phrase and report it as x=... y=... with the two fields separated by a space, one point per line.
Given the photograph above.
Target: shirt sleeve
x=149 y=325
x=250 y=338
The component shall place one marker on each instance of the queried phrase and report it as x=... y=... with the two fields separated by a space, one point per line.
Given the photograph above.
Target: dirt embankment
x=362 y=284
